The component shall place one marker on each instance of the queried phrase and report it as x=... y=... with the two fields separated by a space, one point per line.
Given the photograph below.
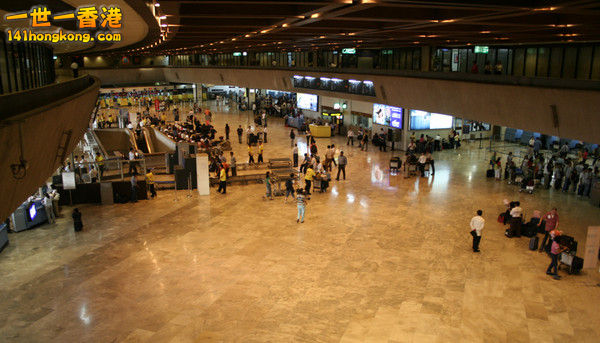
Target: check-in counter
x=28 y=215
x=3 y=235
x=320 y=131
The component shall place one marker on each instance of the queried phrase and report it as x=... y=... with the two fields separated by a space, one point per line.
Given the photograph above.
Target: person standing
x=305 y=163
x=132 y=166
x=477 y=224
x=150 y=182
x=365 y=142
x=233 y=166
x=240 y=132
x=421 y=163
x=292 y=137
x=431 y=161
x=301 y=201
x=226 y=131
x=516 y=219
x=222 y=181
x=342 y=162
x=75 y=69
x=133 y=189
x=260 y=152
x=295 y=155
x=350 y=137
x=265 y=134
x=100 y=163
x=250 y=154
x=47 y=202
x=308 y=177
x=551 y=219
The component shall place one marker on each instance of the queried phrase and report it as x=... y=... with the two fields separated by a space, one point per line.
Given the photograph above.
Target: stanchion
x=190 y=186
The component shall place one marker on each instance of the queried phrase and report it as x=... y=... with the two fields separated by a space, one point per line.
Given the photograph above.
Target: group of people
x=569 y=174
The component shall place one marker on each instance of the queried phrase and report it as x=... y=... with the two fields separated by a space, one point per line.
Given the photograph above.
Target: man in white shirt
x=47 y=201
x=422 y=161
x=132 y=165
x=477 y=224
x=516 y=216
x=350 y=137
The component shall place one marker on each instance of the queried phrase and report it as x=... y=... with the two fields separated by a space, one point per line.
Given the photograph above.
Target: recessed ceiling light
x=315 y=15
x=485 y=32
x=284 y=25
x=162 y=17
x=157 y=5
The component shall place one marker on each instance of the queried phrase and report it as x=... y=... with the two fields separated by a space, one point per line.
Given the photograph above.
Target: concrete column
x=405 y=133
x=202 y=174
x=195 y=89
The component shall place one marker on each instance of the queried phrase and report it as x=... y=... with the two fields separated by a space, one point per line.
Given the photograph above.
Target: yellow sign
x=87 y=18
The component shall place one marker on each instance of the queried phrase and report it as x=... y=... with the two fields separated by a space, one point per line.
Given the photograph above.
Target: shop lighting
x=162 y=17
x=298 y=77
x=309 y=77
x=353 y=81
x=325 y=79
x=336 y=80
x=315 y=15
x=157 y=5
x=284 y=25
x=485 y=32
x=164 y=25
x=368 y=82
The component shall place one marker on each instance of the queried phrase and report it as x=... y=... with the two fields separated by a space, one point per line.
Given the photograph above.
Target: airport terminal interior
x=300 y=171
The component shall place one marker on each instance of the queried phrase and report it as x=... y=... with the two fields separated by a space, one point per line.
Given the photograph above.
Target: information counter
x=320 y=131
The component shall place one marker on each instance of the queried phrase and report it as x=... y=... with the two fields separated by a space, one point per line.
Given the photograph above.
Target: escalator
x=115 y=142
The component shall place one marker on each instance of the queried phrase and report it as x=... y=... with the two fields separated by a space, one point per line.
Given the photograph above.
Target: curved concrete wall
x=43 y=129
x=523 y=107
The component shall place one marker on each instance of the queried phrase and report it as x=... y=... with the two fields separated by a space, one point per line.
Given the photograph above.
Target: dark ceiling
x=221 y=26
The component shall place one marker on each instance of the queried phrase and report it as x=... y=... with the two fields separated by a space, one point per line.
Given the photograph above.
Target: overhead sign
x=349 y=51
x=236 y=54
x=479 y=49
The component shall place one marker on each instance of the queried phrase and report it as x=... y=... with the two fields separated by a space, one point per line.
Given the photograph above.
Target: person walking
x=308 y=177
x=555 y=250
x=295 y=155
x=301 y=201
x=289 y=187
x=292 y=137
x=551 y=219
x=342 y=162
x=477 y=224
x=132 y=163
x=77 y=222
x=150 y=182
x=265 y=134
x=222 y=181
x=226 y=131
x=48 y=206
x=268 y=182
x=75 y=69
x=233 y=166
x=240 y=132
x=304 y=164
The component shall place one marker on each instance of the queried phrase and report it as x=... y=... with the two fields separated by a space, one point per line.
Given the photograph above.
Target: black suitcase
x=576 y=265
x=489 y=173
x=534 y=243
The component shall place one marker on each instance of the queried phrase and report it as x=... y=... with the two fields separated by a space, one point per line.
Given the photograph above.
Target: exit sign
x=349 y=51
x=237 y=54
x=482 y=49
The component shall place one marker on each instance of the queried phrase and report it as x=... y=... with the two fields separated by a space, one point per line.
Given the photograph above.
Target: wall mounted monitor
x=307 y=101
x=422 y=120
x=387 y=115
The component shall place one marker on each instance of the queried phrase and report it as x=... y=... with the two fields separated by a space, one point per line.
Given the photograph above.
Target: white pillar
x=202 y=174
x=405 y=134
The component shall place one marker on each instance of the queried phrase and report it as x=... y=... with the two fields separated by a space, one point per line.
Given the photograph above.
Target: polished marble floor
x=379 y=258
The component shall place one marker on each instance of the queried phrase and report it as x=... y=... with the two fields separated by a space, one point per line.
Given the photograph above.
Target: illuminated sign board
x=236 y=54
x=482 y=49
x=349 y=51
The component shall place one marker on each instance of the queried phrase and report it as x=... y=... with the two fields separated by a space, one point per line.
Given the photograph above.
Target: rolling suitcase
x=534 y=243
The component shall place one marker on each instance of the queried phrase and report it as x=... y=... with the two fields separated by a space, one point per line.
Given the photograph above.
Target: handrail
x=19 y=105
x=547 y=82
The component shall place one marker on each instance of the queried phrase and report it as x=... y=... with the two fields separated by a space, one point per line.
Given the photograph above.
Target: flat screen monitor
x=387 y=115
x=422 y=120
x=307 y=101
x=32 y=211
